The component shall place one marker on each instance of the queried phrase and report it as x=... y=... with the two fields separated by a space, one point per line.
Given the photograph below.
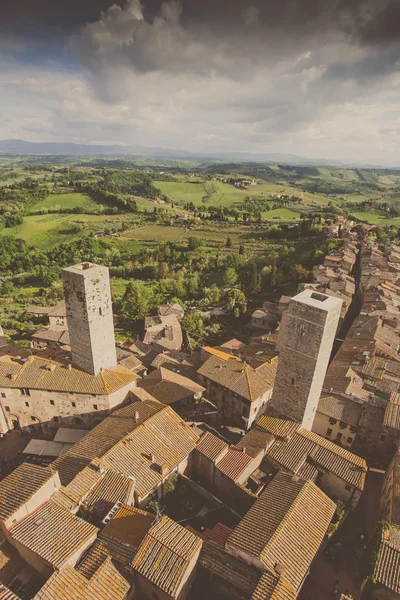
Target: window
x=27 y=404
x=3 y=395
x=73 y=404
x=347 y=488
x=353 y=429
x=339 y=436
x=52 y=402
x=342 y=425
x=332 y=421
x=100 y=311
x=24 y=392
x=329 y=432
x=55 y=419
x=33 y=419
x=95 y=406
x=7 y=408
x=292 y=380
x=350 y=440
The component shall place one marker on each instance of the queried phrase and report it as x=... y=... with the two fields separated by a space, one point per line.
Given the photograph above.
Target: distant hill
x=15 y=146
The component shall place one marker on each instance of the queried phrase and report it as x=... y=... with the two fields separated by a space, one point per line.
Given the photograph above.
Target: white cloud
x=166 y=83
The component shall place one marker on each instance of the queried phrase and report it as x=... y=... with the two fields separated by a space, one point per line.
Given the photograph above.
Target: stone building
x=311 y=325
x=240 y=391
x=38 y=392
x=87 y=295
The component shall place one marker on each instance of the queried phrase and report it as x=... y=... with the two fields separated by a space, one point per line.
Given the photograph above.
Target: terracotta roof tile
x=112 y=488
x=387 y=567
x=229 y=568
x=165 y=555
x=239 y=377
x=285 y=526
x=278 y=427
x=53 y=533
x=234 y=463
x=273 y=587
x=18 y=487
x=43 y=374
x=342 y=409
x=107 y=583
x=211 y=446
x=168 y=387
x=6 y=594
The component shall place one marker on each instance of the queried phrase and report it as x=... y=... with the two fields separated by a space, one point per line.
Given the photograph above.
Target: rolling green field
x=64 y=201
x=47 y=231
x=208 y=192
x=374 y=218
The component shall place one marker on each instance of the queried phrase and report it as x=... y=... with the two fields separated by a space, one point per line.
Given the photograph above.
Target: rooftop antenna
x=159 y=512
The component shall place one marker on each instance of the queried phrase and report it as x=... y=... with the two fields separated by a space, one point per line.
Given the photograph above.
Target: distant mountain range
x=70 y=149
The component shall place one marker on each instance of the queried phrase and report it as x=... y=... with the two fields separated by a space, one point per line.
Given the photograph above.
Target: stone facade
x=43 y=409
x=335 y=430
x=89 y=316
x=311 y=325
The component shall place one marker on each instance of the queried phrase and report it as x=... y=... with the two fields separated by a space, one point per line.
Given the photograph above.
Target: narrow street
x=320 y=584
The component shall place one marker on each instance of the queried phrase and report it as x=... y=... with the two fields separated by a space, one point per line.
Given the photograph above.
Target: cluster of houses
x=94 y=522
x=333 y=277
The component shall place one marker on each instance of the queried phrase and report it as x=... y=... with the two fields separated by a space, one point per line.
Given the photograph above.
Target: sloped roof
x=211 y=446
x=169 y=387
x=135 y=441
x=6 y=594
x=18 y=487
x=342 y=409
x=239 y=377
x=53 y=533
x=234 y=463
x=103 y=437
x=387 y=567
x=273 y=587
x=112 y=488
x=238 y=573
x=285 y=526
x=255 y=441
x=165 y=554
x=120 y=539
x=44 y=374
x=69 y=584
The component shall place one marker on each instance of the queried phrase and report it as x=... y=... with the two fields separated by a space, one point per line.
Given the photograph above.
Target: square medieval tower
x=89 y=317
x=308 y=336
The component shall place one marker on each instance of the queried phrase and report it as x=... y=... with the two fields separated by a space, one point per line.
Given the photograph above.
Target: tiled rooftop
x=43 y=374
x=387 y=567
x=106 y=584
x=234 y=463
x=236 y=572
x=342 y=409
x=239 y=377
x=53 y=533
x=168 y=386
x=139 y=440
x=18 y=487
x=211 y=446
x=285 y=526
x=165 y=553
x=306 y=446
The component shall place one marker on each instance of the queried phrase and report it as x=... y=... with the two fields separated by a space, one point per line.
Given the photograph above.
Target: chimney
x=244 y=450
x=164 y=470
x=152 y=458
x=137 y=417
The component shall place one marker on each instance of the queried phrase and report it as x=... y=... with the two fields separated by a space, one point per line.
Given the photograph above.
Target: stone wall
x=87 y=295
x=306 y=346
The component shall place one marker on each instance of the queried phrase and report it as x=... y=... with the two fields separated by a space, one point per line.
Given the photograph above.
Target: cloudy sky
x=319 y=78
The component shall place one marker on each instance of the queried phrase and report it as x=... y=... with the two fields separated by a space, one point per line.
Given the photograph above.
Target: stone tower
x=306 y=345
x=89 y=316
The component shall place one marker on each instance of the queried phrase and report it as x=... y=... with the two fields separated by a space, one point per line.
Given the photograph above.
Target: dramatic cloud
x=314 y=77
